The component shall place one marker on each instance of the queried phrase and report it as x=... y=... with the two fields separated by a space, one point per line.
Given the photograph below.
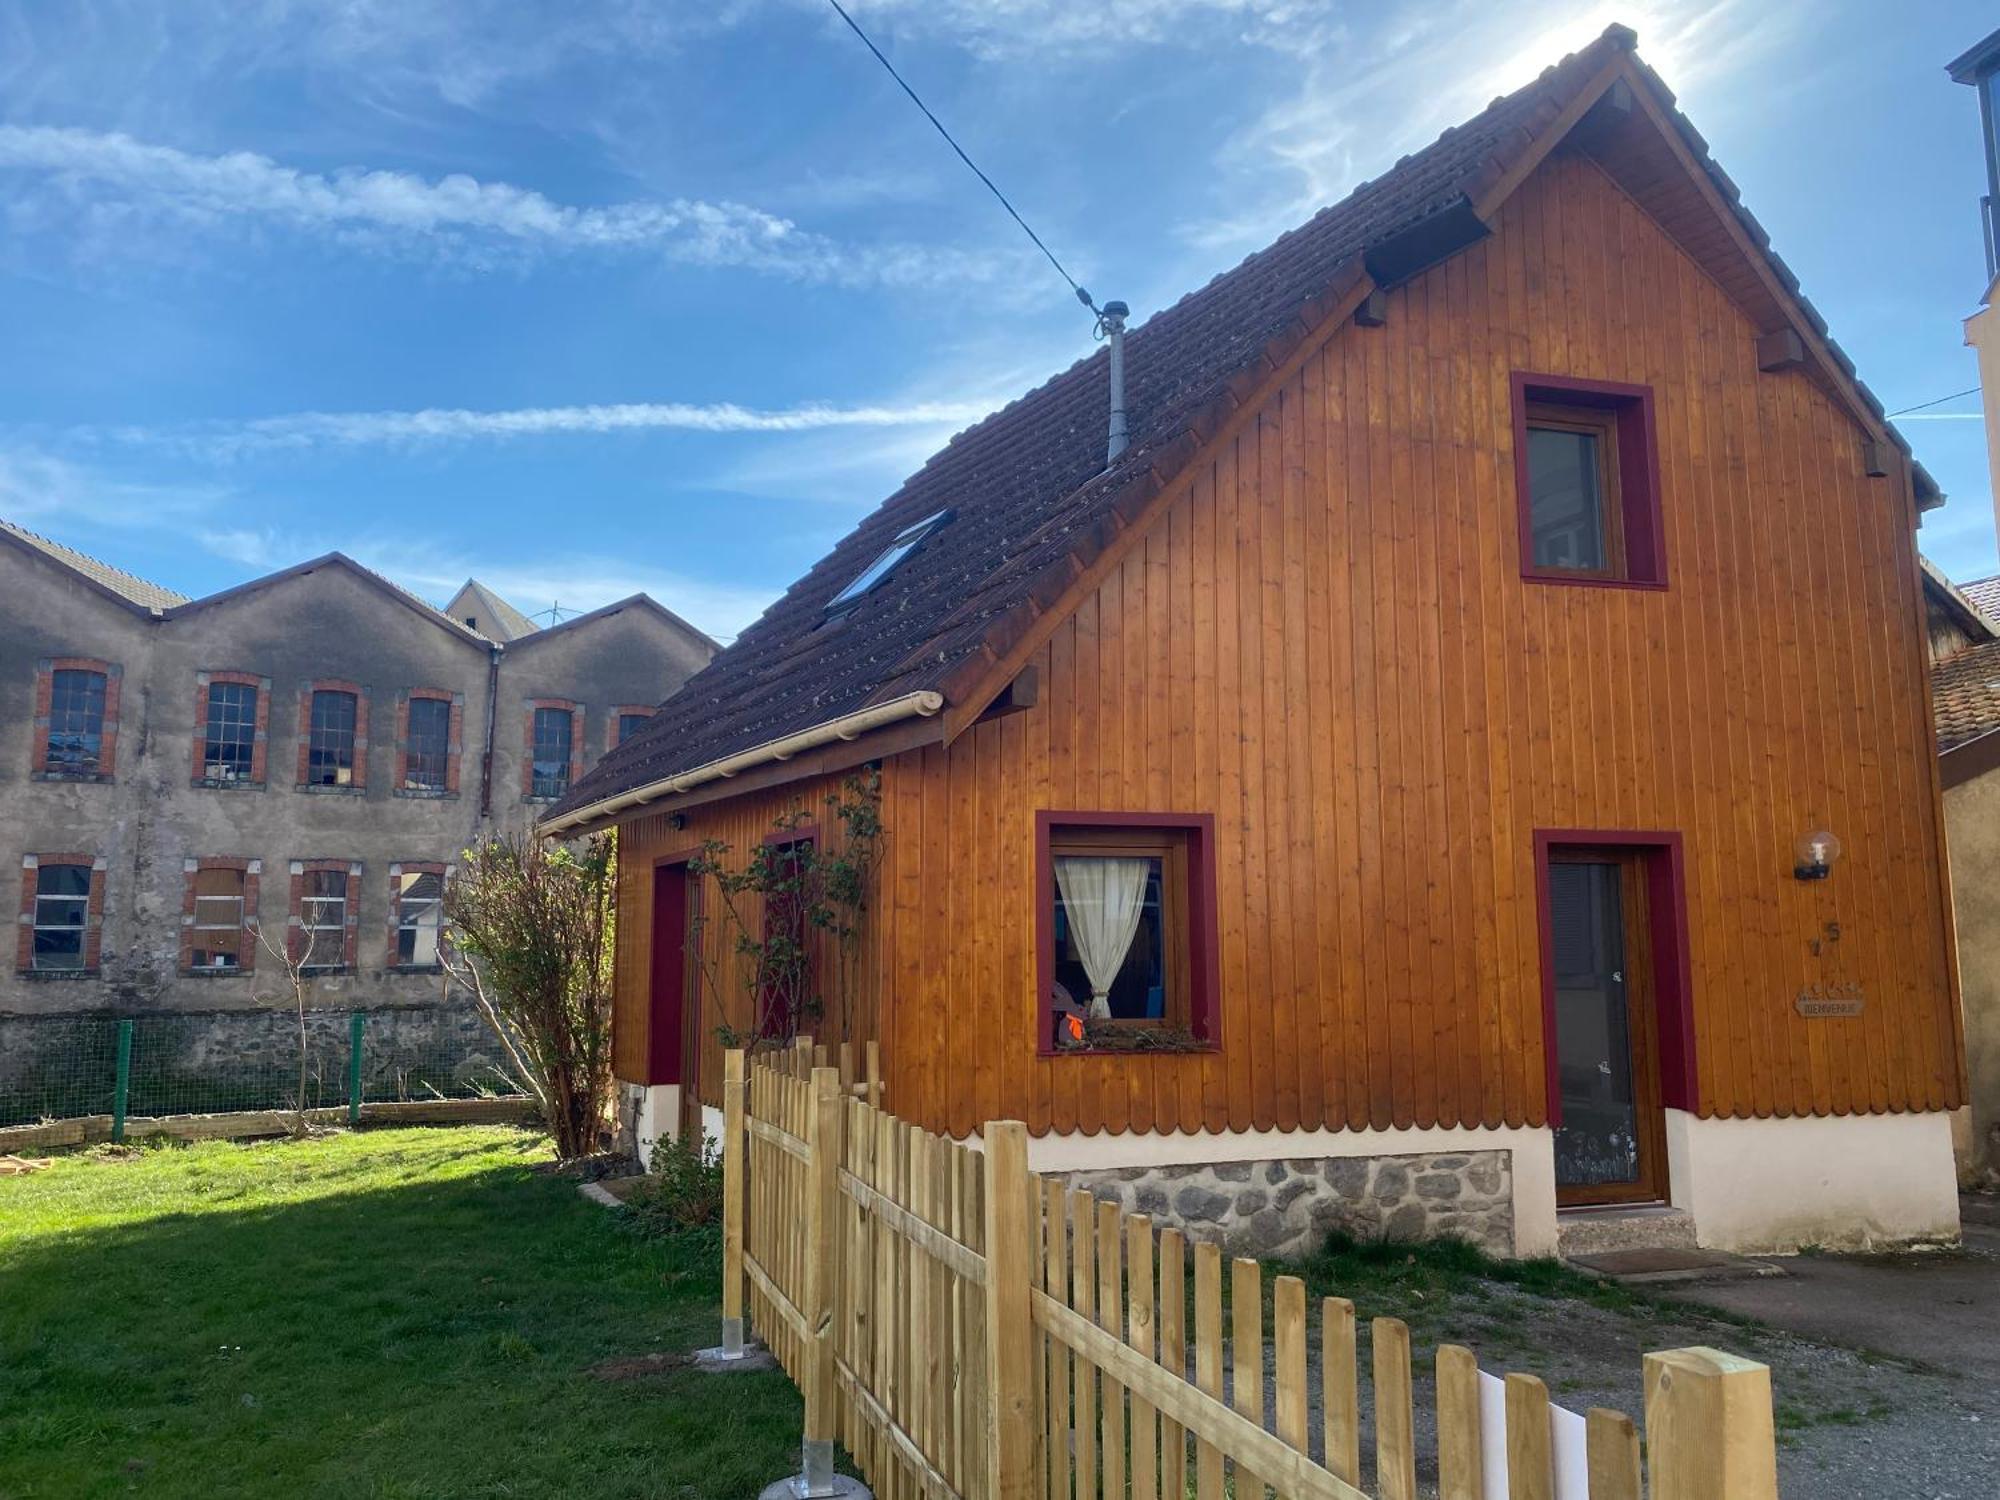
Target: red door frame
x=1666 y=910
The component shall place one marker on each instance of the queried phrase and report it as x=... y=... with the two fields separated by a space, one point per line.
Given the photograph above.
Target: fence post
x=1709 y=1429
x=1012 y=1423
x=822 y=1277
x=356 y=1023
x=121 y=1088
x=734 y=1163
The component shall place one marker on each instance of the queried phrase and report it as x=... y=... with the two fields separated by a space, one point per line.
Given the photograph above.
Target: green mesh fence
x=221 y=1062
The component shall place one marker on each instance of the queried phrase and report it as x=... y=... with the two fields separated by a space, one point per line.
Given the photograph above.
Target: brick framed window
x=232 y=720
x=622 y=721
x=1587 y=482
x=416 y=915
x=333 y=736
x=552 y=748
x=219 y=916
x=76 y=719
x=62 y=915
x=429 y=726
x=325 y=917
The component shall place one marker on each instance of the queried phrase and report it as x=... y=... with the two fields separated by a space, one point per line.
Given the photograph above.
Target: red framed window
x=232 y=713
x=325 y=915
x=62 y=915
x=333 y=736
x=1587 y=482
x=429 y=723
x=1125 y=927
x=219 y=916
x=76 y=719
x=789 y=984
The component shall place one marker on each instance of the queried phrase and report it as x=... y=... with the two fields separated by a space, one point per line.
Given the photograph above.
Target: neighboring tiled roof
x=498 y=620
x=1984 y=594
x=132 y=589
x=1031 y=503
x=1965 y=695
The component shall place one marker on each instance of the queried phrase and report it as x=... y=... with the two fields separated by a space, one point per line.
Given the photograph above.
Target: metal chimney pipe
x=1112 y=321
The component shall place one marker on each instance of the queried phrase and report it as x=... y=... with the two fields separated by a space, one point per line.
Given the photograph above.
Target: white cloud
x=37 y=487
x=456 y=213
x=224 y=441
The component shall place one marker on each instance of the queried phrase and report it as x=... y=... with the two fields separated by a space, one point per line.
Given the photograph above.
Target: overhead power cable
x=1926 y=405
x=1081 y=295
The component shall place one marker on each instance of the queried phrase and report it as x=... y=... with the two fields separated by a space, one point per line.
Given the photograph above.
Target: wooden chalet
x=1416 y=747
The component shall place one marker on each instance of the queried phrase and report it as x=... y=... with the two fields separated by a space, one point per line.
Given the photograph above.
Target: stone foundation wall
x=1287 y=1207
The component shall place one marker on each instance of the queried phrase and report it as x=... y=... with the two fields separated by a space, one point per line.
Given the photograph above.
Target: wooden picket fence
x=970 y=1332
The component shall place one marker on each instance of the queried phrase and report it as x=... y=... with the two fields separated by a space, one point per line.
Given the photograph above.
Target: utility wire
x=1081 y=295
x=1924 y=405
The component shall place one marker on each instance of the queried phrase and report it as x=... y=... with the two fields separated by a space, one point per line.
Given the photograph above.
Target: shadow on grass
x=431 y=1334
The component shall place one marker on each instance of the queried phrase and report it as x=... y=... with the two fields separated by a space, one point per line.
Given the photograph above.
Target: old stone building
x=307 y=754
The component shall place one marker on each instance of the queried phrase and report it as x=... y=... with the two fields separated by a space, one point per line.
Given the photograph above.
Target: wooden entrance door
x=676 y=999
x=1611 y=1144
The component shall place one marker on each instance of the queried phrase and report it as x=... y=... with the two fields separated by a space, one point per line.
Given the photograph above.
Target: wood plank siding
x=1326 y=642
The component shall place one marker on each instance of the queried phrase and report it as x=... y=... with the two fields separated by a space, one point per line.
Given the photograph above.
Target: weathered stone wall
x=1287 y=1207
x=214 y=1061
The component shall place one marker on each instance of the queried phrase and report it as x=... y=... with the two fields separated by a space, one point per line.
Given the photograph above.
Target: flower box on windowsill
x=1100 y=1037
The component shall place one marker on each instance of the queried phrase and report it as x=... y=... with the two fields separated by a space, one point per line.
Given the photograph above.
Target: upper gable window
x=871 y=576
x=1587 y=478
x=1573 y=490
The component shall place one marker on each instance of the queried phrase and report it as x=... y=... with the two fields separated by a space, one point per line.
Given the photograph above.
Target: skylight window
x=872 y=576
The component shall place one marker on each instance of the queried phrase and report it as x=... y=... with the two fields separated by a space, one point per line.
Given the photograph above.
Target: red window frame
x=351 y=914
x=783 y=914
x=1640 y=516
x=93 y=929
x=45 y=688
x=260 y=737
x=1666 y=913
x=334 y=685
x=252 y=870
x=1204 y=1008
x=454 y=736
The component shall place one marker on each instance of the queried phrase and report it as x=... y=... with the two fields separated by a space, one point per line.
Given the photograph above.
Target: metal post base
x=793 y=1489
x=817 y=1481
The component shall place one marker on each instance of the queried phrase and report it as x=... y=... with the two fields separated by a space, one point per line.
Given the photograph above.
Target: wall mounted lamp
x=1816 y=853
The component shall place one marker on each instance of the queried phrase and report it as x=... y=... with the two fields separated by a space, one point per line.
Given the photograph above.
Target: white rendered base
x=659 y=1115
x=1846 y=1182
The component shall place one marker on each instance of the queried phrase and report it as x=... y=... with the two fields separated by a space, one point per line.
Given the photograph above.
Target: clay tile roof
x=128 y=586
x=1984 y=594
x=1965 y=695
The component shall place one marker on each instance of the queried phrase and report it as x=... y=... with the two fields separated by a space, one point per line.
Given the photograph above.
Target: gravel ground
x=1852 y=1420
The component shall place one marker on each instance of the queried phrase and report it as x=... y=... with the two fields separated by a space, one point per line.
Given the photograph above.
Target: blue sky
x=584 y=298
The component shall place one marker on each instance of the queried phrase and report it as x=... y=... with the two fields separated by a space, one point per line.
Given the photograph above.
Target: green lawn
x=390 y=1313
